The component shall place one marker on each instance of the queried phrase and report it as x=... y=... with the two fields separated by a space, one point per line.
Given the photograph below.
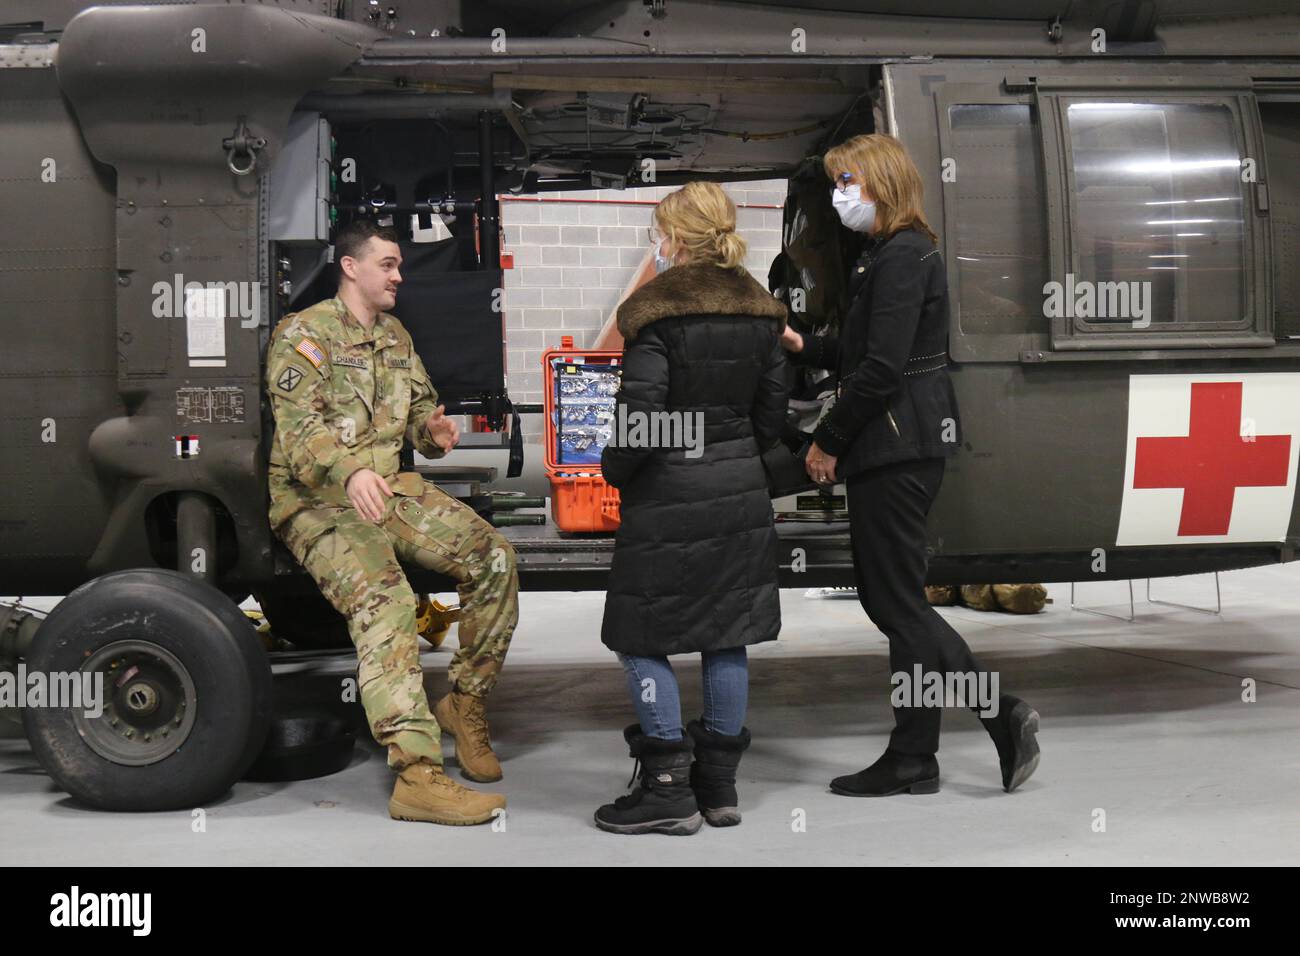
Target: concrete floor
x=1144 y=721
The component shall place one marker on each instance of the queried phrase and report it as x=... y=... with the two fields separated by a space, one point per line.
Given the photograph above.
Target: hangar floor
x=1144 y=721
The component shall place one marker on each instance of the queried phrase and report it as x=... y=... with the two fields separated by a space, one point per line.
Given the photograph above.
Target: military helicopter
x=1115 y=185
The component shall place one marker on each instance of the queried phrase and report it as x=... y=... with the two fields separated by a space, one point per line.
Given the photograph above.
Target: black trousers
x=887 y=511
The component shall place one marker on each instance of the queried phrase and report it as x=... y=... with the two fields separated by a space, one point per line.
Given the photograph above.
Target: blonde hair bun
x=700 y=219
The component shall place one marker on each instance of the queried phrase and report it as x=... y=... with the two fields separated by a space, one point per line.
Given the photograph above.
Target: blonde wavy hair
x=881 y=165
x=700 y=220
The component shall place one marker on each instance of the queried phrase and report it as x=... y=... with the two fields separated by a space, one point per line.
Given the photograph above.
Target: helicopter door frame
x=1054 y=96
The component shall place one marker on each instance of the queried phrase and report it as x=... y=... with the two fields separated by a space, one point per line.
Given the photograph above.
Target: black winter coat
x=695 y=557
x=896 y=400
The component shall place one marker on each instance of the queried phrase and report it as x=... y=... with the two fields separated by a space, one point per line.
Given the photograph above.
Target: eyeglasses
x=654 y=235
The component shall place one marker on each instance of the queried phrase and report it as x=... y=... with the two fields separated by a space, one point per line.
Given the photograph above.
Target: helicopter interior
x=422 y=159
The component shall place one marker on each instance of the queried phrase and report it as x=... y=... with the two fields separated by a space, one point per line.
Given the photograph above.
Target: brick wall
x=572 y=260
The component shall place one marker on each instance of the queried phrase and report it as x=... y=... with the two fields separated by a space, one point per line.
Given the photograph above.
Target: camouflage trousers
x=354 y=562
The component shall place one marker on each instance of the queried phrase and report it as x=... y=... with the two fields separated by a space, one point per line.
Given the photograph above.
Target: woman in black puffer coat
x=695 y=559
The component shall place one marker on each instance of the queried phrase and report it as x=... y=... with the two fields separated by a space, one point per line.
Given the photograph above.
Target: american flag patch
x=312 y=352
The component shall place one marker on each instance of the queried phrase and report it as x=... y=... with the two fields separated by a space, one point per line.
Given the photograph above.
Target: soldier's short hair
x=352 y=238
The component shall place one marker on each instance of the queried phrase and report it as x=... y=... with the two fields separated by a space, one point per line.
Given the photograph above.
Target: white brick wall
x=573 y=259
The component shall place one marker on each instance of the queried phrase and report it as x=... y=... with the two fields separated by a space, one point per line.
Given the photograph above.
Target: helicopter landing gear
x=179 y=700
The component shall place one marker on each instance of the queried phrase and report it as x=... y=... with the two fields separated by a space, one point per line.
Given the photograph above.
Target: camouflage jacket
x=343 y=398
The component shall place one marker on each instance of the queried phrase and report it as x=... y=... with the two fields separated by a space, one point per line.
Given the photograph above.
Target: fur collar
x=697 y=288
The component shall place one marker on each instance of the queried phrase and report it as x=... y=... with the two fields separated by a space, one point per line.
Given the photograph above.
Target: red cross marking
x=1212 y=461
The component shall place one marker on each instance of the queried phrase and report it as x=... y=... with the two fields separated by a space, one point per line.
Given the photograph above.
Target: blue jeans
x=658 y=703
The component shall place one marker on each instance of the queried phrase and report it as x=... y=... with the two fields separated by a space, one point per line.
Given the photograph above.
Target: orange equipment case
x=580 y=498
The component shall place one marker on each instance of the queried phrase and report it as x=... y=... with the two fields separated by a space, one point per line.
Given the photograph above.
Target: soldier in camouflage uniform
x=347 y=388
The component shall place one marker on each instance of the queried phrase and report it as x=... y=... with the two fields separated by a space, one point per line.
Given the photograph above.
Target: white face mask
x=662 y=264
x=853 y=211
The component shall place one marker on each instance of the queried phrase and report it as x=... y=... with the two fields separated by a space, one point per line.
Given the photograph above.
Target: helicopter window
x=1158 y=207
x=1077 y=220
x=1000 y=229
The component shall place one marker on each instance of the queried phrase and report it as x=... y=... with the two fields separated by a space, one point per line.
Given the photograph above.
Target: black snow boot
x=892 y=773
x=713 y=775
x=663 y=801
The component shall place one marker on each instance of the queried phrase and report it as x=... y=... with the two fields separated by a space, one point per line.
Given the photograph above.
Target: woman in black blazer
x=887 y=434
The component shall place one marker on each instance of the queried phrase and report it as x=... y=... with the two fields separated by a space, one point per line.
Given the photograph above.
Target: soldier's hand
x=443 y=430
x=367 y=490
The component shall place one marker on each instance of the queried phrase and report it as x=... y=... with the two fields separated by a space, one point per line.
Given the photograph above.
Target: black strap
x=516 y=466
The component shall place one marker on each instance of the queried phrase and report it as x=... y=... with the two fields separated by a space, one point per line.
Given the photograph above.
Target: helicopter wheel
x=179 y=692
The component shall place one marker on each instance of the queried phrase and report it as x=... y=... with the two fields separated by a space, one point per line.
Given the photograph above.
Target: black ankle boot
x=892 y=773
x=1013 y=731
x=713 y=775
x=663 y=801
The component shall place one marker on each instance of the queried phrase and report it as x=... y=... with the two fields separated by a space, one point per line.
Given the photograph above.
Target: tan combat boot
x=462 y=716
x=423 y=793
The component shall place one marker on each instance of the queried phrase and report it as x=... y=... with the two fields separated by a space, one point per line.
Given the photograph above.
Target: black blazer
x=896 y=400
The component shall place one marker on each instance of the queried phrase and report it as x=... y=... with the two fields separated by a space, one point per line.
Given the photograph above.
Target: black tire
x=184 y=674
x=304 y=745
x=304 y=619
